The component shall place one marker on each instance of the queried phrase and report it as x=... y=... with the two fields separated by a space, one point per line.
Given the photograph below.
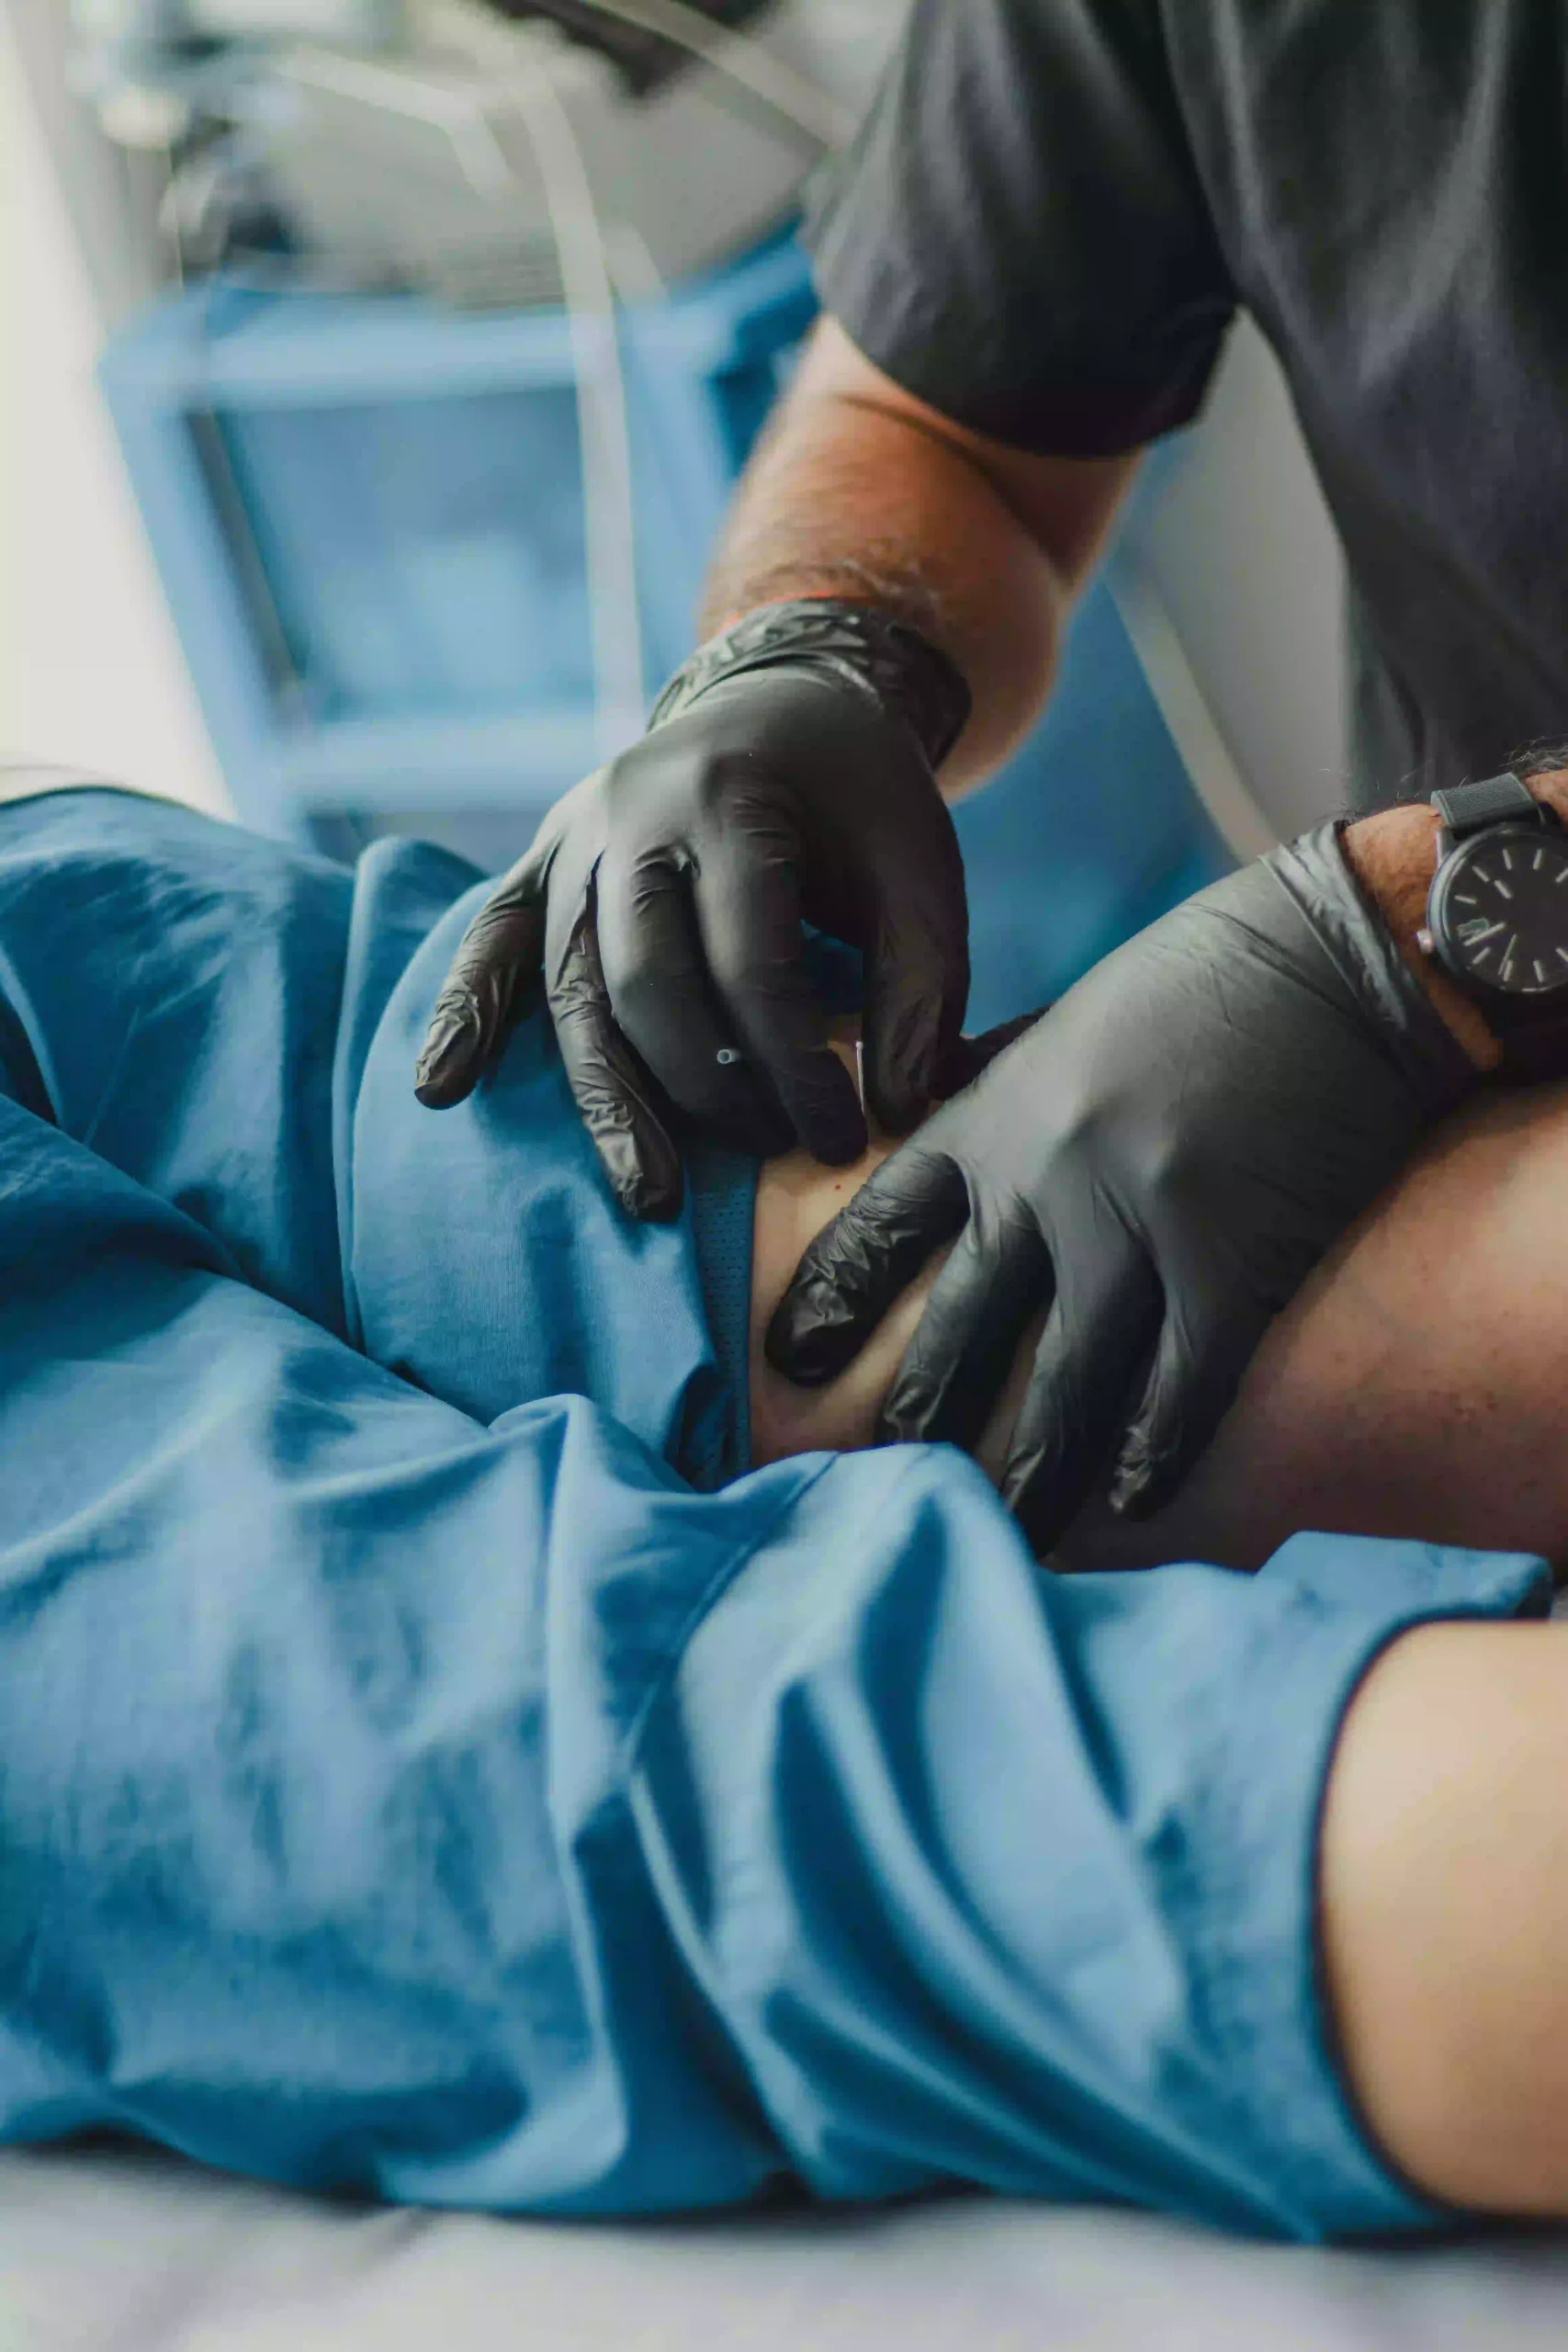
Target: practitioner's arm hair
x=859 y=491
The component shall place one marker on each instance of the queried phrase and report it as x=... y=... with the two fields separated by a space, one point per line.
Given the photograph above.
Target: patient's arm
x=1416 y=1386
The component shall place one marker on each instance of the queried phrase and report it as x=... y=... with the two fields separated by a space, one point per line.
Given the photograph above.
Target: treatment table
x=112 y=2251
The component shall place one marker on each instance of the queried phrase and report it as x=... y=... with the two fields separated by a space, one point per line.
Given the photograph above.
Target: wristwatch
x=1497 y=916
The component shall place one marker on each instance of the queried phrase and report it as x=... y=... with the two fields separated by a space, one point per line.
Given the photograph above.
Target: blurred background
x=375 y=376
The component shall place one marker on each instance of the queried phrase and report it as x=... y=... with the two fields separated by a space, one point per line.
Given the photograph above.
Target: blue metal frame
x=699 y=368
x=1093 y=828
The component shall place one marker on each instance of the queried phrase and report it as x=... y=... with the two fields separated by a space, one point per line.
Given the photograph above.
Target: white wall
x=91 y=673
x=1242 y=559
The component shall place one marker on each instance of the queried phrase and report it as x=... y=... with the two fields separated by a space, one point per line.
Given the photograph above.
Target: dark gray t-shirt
x=1056 y=206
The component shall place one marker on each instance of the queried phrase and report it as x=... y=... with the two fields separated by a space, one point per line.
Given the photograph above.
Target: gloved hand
x=1161 y=1159
x=788 y=777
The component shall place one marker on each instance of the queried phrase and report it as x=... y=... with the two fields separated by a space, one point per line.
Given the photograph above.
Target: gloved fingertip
x=648 y=1195
x=653 y=1204
x=802 y=1344
x=1138 y=1489
x=901 y=1076
x=899 y=1109
x=838 y=1140
x=645 y=1174
x=790 y=1351
x=442 y=1089
x=823 y=1107
x=448 y=1064
x=1044 y=1523
x=1017 y=1482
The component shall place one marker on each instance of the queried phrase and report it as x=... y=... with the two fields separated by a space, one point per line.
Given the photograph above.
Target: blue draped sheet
x=425 y=1769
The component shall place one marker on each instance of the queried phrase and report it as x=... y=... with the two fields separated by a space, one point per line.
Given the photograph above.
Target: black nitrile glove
x=788 y=778
x=1160 y=1160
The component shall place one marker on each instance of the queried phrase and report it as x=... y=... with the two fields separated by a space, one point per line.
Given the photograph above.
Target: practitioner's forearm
x=860 y=491
x=848 y=501
x=1444 y=1909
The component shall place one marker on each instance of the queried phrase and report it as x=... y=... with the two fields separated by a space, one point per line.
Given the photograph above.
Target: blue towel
x=427 y=1769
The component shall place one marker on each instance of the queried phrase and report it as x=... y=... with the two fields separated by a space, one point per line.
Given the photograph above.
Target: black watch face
x=1504 y=915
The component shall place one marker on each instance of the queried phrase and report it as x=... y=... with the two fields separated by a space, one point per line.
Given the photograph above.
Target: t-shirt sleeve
x=1019 y=234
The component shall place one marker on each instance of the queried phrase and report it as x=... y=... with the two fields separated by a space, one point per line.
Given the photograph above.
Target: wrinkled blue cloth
x=427 y=1769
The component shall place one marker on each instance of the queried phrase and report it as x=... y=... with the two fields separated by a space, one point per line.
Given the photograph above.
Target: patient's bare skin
x=796 y=1198
x=1443 y=1911
x=1415 y=1387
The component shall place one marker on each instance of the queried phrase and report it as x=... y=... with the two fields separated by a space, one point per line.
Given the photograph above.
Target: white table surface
x=119 y=2253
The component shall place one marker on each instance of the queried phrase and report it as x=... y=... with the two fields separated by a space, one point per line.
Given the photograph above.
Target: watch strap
x=1466 y=809
x=1532 y=1033
x=1535 y=1049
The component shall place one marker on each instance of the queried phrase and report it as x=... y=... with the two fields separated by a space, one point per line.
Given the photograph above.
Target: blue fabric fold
x=426 y=1769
